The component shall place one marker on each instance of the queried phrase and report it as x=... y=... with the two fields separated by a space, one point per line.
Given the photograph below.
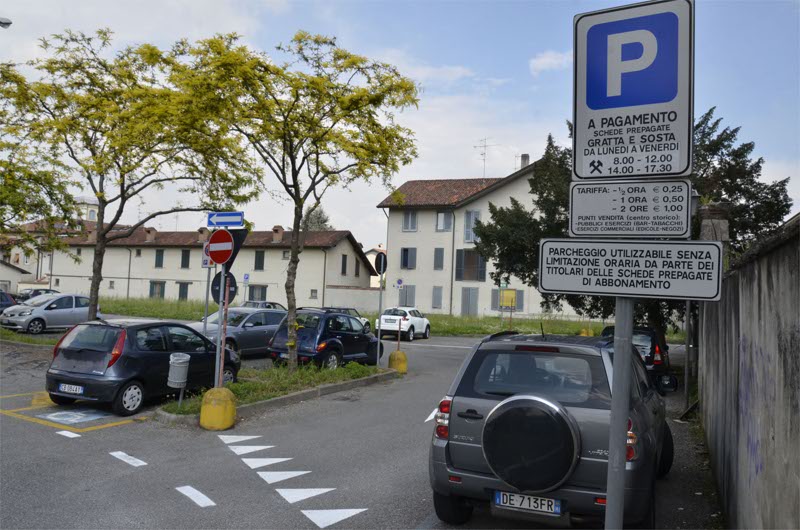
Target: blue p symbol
x=632 y=62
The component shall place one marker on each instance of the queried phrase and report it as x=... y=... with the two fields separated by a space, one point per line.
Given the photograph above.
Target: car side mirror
x=52 y=306
x=248 y=325
x=668 y=383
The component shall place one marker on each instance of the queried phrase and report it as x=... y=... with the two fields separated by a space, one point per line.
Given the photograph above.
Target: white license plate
x=390 y=320
x=70 y=389
x=526 y=502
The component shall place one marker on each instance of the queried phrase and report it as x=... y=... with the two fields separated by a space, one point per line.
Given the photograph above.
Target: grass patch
x=156 y=308
x=267 y=384
x=46 y=339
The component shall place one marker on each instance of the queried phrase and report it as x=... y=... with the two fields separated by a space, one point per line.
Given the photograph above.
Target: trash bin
x=178 y=370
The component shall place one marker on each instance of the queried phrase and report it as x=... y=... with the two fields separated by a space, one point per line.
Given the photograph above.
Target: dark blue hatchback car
x=327 y=338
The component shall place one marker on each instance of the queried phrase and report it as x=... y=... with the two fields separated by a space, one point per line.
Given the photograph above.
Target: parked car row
x=46 y=312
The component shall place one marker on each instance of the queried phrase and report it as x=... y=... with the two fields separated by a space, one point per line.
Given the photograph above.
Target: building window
x=313 y=294
x=57 y=282
x=470 y=266
x=438 y=259
x=470 y=217
x=183 y=290
x=344 y=264
x=410 y=221
x=358 y=268
x=408 y=258
x=157 y=289
x=92 y=215
x=111 y=284
x=258 y=293
x=186 y=255
x=259 y=264
x=26 y=259
x=78 y=251
x=436 y=300
x=444 y=221
x=287 y=254
x=408 y=295
x=160 y=258
x=138 y=253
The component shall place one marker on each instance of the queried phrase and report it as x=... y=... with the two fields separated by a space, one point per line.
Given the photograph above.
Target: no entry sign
x=220 y=246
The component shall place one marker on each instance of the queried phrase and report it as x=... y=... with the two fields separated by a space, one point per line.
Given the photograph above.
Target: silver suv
x=524 y=428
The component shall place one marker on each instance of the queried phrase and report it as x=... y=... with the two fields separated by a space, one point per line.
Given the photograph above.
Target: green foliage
x=723 y=171
x=156 y=308
x=45 y=339
x=315 y=219
x=260 y=385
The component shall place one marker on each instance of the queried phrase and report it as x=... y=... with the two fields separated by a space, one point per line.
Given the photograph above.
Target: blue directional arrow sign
x=225 y=219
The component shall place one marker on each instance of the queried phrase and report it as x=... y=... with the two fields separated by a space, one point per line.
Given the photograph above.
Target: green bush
x=46 y=339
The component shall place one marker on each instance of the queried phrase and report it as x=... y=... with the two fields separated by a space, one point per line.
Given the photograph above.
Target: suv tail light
x=116 y=352
x=442 y=418
x=58 y=344
x=632 y=444
x=657 y=359
x=405 y=319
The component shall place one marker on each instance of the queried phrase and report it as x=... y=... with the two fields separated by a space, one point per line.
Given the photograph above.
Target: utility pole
x=484 y=147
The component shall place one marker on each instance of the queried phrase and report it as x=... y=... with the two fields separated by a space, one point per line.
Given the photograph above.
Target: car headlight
x=24 y=313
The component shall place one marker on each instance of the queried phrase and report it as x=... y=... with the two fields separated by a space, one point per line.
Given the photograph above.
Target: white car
x=412 y=323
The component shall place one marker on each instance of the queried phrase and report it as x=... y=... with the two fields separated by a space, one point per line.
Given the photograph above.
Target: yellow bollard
x=218 y=411
x=584 y=333
x=398 y=361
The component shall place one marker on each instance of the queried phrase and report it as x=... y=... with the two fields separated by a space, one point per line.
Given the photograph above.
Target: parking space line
x=20 y=395
x=128 y=459
x=198 y=498
x=68 y=434
x=32 y=407
x=61 y=426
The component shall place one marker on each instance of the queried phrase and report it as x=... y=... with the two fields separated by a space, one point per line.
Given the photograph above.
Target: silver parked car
x=248 y=330
x=47 y=311
x=524 y=428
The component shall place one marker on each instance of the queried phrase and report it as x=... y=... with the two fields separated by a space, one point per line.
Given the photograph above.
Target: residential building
x=431 y=245
x=371 y=255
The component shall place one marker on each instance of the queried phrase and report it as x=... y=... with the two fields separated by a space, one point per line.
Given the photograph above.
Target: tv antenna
x=484 y=147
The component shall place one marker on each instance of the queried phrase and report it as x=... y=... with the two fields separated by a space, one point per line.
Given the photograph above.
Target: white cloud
x=422 y=72
x=550 y=60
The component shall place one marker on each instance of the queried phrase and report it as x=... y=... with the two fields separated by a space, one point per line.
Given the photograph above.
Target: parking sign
x=633 y=107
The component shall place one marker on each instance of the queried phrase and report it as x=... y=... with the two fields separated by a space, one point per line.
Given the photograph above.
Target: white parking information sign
x=634 y=69
x=630 y=208
x=684 y=270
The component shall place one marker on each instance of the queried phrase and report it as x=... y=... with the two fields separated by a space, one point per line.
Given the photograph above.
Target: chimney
x=525 y=160
x=277 y=234
x=149 y=234
x=202 y=235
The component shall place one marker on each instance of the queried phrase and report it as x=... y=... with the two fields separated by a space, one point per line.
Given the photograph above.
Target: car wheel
x=410 y=334
x=427 y=332
x=61 y=400
x=332 y=361
x=129 y=400
x=36 y=326
x=228 y=375
x=451 y=509
x=667 y=452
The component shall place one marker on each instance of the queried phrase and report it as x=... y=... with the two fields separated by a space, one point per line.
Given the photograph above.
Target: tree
x=315 y=219
x=112 y=124
x=723 y=171
x=317 y=117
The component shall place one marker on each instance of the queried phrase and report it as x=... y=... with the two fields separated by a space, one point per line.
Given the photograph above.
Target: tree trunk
x=291 y=274
x=97 y=276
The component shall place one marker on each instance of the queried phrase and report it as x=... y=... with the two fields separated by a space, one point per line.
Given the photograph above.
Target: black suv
x=328 y=339
x=524 y=428
x=653 y=348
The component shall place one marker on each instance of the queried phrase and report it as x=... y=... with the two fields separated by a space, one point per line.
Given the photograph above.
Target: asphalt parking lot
x=356 y=459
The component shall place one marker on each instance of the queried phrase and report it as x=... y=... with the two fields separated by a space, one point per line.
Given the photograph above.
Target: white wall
x=365 y=299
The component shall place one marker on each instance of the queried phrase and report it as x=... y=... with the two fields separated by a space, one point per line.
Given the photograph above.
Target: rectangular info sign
x=684 y=270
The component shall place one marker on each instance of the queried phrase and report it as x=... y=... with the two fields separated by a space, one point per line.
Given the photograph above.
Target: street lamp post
x=4 y=22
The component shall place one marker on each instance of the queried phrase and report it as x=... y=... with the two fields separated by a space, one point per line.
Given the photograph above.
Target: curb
x=254 y=409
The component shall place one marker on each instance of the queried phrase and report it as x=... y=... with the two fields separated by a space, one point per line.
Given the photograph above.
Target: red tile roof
x=436 y=193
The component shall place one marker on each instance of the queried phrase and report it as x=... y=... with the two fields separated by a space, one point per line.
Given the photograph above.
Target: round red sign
x=220 y=246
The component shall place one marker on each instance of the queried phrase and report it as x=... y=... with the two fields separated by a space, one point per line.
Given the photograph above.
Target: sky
x=500 y=70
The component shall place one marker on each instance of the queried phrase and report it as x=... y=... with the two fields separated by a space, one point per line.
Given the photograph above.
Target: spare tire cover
x=531 y=443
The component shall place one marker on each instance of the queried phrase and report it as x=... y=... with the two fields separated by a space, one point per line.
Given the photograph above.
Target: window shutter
x=152 y=289
x=495 y=300
x=460 y=264
x=476 y=216
x=413 y=224
x=438 y=259
x=411 y=295
x=402 y=299
x=468 y=226
x=448 y=221
x=520 y=300
x=412 y=258
x=481 y=268
x=436 y=303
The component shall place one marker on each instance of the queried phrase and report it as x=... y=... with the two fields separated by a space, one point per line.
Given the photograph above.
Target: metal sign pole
x=687 y=327
x=208 y=293
x=227 y=284
x=219 y=337
x=620 y=400
x=380 y=309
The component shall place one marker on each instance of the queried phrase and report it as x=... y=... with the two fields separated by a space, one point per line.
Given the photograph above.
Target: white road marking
x=255 y=463
x=228 y=439
x=273 y=477
x=297 y=495
x=69 y=434
x=433 y=414
x=244 y=449
x=325 y=518
x=198 y=498
x=128 y=459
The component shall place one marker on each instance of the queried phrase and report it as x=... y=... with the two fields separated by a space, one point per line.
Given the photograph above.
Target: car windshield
x=234 y=318
x=40 y=300
x=91 y=337
x=573 y=380
x=250 y=304
x=394 y=312
x=642 y=341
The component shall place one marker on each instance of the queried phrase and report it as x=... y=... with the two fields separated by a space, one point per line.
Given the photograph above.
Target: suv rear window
x=395 y=313
x=573 y=380
x=91 y=337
